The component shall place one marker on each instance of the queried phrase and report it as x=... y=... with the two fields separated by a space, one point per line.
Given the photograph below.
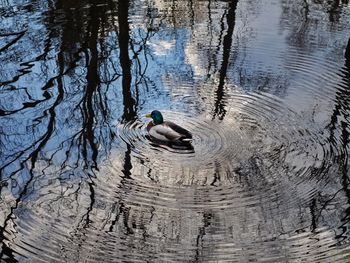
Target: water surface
x=262 y=85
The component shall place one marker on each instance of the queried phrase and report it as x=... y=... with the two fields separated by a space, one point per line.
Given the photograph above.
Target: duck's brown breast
x=149 y=125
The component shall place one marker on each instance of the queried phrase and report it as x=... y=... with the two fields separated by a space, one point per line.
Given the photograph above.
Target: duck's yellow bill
x=148 y=116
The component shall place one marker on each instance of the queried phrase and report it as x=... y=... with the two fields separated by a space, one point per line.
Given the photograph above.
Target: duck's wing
x=184 y=134
x=164 y=132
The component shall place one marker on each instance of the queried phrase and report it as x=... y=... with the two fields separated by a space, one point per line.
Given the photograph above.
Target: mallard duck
x=166 y=131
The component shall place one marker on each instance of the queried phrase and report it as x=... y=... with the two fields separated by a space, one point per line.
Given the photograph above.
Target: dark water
x=262 y=85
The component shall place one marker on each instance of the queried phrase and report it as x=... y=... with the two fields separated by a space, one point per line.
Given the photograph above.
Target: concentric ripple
x=261 y=142
x=260 y=163
x=211 y=141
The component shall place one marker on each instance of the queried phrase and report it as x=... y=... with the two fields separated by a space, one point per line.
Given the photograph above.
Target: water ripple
x=263 y=90
x=262 y=145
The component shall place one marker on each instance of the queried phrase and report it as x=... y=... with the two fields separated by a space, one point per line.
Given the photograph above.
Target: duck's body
x=166 y=131
x=169 y=132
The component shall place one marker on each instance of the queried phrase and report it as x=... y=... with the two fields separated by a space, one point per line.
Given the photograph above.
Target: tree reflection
x=86 y=102
x=227 y=43
x=340 y=139
x=83 y=103
x=303 y=32
x=125 y=62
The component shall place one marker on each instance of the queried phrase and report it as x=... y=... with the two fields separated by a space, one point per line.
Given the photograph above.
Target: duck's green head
x=156 y=116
